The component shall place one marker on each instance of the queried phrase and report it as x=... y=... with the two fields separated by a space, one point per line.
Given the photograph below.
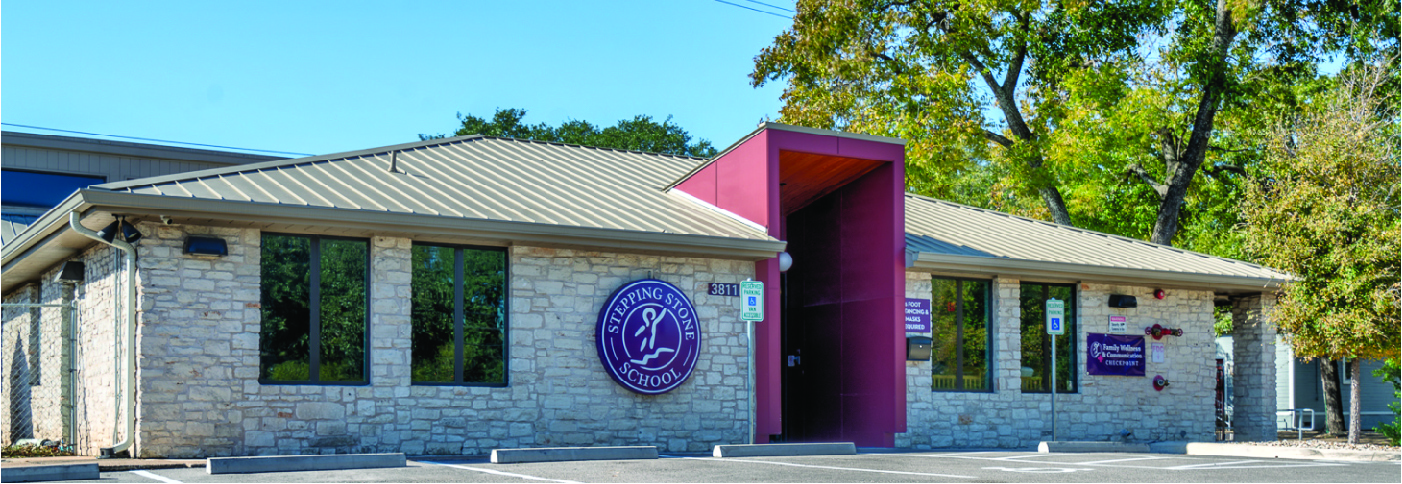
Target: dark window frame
x=989 y=358
x=1073 y=330
x=314 y=308
x=460 y=317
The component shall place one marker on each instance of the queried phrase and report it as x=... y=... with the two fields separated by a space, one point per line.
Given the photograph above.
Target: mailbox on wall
x=917 y=348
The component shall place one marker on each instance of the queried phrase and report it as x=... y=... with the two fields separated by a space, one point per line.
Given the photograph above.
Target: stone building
x=458 y=295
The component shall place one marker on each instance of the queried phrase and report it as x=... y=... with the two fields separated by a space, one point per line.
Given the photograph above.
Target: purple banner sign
x=1114 y=354
x=917 y=315
x=648 y=336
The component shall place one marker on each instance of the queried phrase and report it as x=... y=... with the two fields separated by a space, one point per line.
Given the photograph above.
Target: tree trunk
x=1214 y=87
x=1355 y=400
x=1333 y=399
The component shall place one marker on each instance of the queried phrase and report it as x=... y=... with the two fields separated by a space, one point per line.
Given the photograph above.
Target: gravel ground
x=1314 y=440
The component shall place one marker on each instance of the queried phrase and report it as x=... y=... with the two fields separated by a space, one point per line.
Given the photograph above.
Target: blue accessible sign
x=648 y=336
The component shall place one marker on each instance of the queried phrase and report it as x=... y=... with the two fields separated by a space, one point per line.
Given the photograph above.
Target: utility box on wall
x=917 y=348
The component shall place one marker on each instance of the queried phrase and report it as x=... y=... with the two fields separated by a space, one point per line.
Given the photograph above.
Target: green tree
x=641 y=133
x=1091 y=98
x=1327 y=211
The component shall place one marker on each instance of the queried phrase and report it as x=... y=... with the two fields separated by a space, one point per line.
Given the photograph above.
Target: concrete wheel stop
x=771 y=450
x=558 y=454
x=1088 y=447
x=289 y=463
x=56 y=472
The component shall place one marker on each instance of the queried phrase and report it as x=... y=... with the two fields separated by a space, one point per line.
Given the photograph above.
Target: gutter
x=1062 y=271
x=129 y=402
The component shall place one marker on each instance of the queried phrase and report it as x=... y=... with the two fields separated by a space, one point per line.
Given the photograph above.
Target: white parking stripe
x=499 y=473
x=854 y=469
x=1091 y=463
x=149 y=475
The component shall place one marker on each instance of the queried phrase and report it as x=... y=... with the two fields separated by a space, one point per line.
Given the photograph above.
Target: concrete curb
x=57 y=472
x=1087 y=447
x=765 y=450
x=557 y=454
x=286 y=463
x=1268 y=451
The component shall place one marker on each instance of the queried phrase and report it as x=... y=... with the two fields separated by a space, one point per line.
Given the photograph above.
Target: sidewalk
x=104 y=465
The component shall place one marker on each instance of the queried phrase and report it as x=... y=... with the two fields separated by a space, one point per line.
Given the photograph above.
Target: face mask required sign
x=1114 y=354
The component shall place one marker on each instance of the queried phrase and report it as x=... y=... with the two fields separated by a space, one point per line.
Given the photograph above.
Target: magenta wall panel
x=702 y=185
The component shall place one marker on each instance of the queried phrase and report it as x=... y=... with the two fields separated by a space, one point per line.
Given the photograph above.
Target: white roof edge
x=723 y=212
x=996 y=266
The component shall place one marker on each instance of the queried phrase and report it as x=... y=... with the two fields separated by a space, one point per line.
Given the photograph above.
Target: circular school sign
x=648 y=336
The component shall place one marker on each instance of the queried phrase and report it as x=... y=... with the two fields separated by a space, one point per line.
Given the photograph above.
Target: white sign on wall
x=1156 y=352
x=1119 y=324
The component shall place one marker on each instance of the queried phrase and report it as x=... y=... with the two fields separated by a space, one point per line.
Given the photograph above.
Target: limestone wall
x=200 y=393
x=37 y=368
x=1103 y=407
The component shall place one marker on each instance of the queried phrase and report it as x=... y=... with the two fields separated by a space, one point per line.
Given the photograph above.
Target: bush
x=31 y=450
x=1391 y=372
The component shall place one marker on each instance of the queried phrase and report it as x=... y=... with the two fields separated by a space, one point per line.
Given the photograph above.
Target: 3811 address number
x=725 y=289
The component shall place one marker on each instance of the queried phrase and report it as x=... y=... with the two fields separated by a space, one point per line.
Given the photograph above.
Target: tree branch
x=1020 y=53
x=1138 y=171
x=998 y=138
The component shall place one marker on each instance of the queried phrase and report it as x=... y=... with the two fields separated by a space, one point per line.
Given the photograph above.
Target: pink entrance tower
x=831 y=350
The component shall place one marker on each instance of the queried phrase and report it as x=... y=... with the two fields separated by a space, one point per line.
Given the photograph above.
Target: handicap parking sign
x=752 y=301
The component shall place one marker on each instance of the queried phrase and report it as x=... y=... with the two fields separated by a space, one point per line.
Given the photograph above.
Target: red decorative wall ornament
x=1158 y=332
x=1160 y=382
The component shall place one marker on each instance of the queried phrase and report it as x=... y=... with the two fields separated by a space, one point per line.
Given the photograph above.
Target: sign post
x=751 y=312
x=1056 y=324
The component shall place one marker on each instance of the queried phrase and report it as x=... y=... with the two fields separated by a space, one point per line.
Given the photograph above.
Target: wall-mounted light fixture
x=72 y=271
x=205 y=246
x=1160 y=293
x=128 y=233
x=785 y=261
x=1123 y=301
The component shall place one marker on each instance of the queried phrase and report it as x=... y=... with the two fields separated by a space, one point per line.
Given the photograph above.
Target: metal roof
x=473 y=177
x=13 y=224
x=942 y=234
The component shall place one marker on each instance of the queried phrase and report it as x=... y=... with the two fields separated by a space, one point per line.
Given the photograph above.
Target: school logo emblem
x=648 y=336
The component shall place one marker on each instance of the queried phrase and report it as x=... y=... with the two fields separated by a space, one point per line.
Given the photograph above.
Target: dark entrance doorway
x=838 y=319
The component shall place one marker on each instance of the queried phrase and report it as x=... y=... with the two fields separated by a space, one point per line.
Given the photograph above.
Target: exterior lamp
x=785 y=261
x=128 y=233
x=203 y=246
x=72 y=272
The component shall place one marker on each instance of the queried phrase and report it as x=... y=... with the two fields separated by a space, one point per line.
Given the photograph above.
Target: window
x=1036 y=343
x=35 y=189
x=315 y=309
x=459 y=315
x=960 y=315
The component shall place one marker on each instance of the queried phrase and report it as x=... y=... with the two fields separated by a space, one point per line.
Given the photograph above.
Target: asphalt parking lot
x=866 y=467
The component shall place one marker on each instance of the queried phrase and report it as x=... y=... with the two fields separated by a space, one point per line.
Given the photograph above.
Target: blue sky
x=321 y=77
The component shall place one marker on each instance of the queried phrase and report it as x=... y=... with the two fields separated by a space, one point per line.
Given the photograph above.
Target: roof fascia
x=991 y=266
x=48 y=225
x=517 y=232
x=785 y=127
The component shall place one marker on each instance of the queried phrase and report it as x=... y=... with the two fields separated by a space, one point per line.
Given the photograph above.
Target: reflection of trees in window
x=1036 y=343
x=959 y=314
x=314 y=309
x=459 y=315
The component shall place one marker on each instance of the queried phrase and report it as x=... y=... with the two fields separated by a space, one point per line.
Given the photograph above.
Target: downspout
x=130 y=400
